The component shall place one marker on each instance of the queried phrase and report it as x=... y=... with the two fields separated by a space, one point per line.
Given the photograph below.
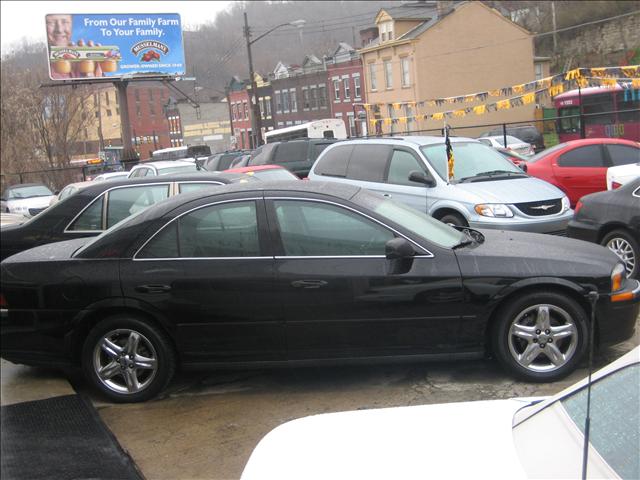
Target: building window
x=408 y=113
x=386 y=31
x=138 y=109
x=539 y=72
x=392 y=115
x=293 y=100
x=388 y=74
x=268 y=105
x=347 y=89
x=313 y=94
x=106 y=96
x=336 y=89
x=151 y=94
x=108 y=112
x=246 y=110
x=278 y=102
x=285 y=101
x=305 y=99
x=373 y=81
x=356 y=86
x=406 y=79
x=352 y=124
x=137 y=94
x=152 y=109
x=322 y=93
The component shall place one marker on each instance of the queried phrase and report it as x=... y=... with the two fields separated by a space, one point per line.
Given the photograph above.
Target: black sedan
x=98 y=207
x=296 y=273
x=612 y=219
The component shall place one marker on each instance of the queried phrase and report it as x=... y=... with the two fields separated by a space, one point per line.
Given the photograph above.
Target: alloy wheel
x=624 y=251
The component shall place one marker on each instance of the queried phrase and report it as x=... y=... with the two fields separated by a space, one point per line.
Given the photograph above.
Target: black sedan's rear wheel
x=540 y=336
x=128 y=359
x=626 y=248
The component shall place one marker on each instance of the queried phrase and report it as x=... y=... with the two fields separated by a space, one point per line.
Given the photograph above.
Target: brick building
x=346 y=90
x=239 y=113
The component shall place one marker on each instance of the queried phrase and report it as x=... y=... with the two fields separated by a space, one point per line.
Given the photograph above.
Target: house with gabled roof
x=445 y=49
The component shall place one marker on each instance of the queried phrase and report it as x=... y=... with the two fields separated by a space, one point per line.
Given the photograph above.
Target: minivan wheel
x=540 y=336
x=454 y=219
x=626 y=248
x=128 y=359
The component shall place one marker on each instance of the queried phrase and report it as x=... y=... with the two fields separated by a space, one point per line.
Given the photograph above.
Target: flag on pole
x=450 y=162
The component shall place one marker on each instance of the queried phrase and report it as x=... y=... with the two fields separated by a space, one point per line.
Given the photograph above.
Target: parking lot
x=206 y=424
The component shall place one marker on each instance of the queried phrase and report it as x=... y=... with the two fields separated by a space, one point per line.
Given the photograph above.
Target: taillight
x=578 y=207
x=3 y=302
x=615 y=185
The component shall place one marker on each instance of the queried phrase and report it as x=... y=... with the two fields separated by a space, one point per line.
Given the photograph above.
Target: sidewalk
x=23 y=384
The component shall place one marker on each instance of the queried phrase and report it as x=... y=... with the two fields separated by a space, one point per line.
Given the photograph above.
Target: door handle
x=386 y=195
x=153 y=288
x=308 y=283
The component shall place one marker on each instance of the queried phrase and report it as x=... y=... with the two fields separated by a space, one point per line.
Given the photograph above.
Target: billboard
x=82 y=46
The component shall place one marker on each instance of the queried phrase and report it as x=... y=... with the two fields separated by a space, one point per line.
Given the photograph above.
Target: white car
x=70 y=190
x=162 y=167
x=513 y=143
x=111 y=176
x=618 y=176
x=26 y=199
x=494 y=439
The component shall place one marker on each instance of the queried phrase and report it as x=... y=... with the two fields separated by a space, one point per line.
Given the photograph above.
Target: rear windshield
x=28 y=192
x=183 y=168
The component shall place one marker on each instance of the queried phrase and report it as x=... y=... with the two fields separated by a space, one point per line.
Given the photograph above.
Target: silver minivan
x=486 y=191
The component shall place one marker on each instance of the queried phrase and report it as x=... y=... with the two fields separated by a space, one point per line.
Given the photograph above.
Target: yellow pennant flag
x=388 y=121
x=529 y=98
x=582 y=82
x=556 y=90
x=480 y=109
x=609 y=82
x=598 y=72
x=459 y=113
x=544 y=82
x=495 y=93
x=438 y=116
x=397 y=106
x=573 y=74
x=503 y=104
x=402 y=120
x=518 y=88
x=635 y=83
x=630 y=71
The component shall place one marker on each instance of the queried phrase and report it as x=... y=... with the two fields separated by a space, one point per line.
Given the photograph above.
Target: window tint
x=614 y=427
x=91 y=218
x=291 y=152
x=126 y=201
x=227 y=230
x=402 y=164
x=368 y=163
x=596 y=107
x=623 y=154
x=193 y=186
x=163 y=245
x=319 y=229
x=334 y=162
x=588 y=156
x=226 y=160
x=318 y=148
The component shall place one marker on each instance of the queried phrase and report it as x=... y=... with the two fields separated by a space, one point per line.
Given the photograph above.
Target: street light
x=256 y=120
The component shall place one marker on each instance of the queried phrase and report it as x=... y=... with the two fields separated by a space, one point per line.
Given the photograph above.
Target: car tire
x=626 y=248
x=454 y=219
x=540 y=336
x=128 y=359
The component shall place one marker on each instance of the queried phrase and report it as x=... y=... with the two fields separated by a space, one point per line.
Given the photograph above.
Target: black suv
x=526 y=133
x=221 y=161
x=296 y=156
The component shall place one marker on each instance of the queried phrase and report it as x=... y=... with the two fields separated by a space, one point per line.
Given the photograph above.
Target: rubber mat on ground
x=62 y=438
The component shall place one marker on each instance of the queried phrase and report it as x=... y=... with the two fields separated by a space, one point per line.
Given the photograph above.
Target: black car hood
x=522 y=254
x=49 y=252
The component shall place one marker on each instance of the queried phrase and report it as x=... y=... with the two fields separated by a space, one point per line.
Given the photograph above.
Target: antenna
x=593 y=300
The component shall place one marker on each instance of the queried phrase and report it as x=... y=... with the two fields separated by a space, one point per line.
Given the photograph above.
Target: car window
x=334 y=162
x=126 y=201
x=192 y=167
x=225 y=230
x=91 y=218
x=587 y=156
x=226 y=160
x=319 y=229
x=318 y=148
x=402 y=164
x=194 y=186
x=66 y=191
x=613 y=431
x=623 y=154
x=211 y=164
x=291 y=152
x=486 y=141
x=470 y=159
x=30 y=191
x=369 y=163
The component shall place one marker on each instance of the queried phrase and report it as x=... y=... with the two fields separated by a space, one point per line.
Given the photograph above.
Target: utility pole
x=553 y=26
x=129 y=155
x=256 y=123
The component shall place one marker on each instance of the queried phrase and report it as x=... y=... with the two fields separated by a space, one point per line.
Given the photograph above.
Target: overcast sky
x=20 y=19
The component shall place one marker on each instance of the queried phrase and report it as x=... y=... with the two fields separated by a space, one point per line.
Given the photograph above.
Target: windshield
x=510 y=140
x=182 y=168
x=415 y=221
x=470 y=159
x=31 y=191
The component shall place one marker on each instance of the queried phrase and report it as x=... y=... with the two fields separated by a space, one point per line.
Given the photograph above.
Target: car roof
x=408 y=140
x=164 y=163
x=20 y=185
x=255 y=168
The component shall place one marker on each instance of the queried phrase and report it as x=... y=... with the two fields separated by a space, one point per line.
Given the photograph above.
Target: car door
x=208 y=271
x=580 y=171
x=338 y=298
x=398 y=186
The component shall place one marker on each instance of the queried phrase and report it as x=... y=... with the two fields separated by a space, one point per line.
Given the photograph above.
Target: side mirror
x=422 y=177
x=399 y=253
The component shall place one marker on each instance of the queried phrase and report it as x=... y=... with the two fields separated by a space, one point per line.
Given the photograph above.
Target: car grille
x=34 y=211
x=539 y=209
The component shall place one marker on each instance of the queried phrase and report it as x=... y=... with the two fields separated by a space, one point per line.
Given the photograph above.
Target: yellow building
x=447 y=51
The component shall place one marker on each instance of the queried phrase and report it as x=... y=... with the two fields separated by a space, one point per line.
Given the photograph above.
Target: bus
x=326 y=128
x=179 y=153
x=607 y=112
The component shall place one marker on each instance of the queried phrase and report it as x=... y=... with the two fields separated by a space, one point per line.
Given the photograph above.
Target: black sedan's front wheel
x=626 y=248
x=540 y=336
x=128 y=359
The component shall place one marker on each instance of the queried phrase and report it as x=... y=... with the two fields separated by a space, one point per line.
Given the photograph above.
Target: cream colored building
x=447 y=51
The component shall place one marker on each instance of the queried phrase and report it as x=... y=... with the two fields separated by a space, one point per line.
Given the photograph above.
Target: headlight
x=618 y=275
x=493 y=210
x=566 y=205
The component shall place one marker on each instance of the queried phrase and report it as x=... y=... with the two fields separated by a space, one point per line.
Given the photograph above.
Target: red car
x=265 y=172
x=579 y=167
